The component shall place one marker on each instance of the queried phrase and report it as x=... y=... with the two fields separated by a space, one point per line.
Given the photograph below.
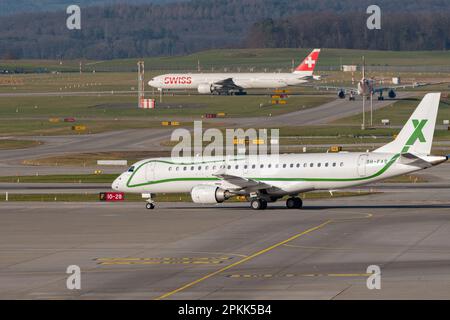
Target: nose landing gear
x=150 y=205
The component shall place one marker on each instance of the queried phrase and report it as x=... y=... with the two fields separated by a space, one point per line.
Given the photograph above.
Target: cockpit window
x=131 y=169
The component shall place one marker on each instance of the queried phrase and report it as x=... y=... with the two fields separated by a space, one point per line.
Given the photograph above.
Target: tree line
x=399 y=31
x=130 y=31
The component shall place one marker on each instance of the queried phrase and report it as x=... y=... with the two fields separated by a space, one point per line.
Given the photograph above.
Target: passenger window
x=192 y=168
x=342 y=164
x=291 y=165
x=170 y=168
x=261 y=166
x=276 y=166
x=298 y=165
x=214 y=167
x=311 y=164
x=269 y=166
x=229 y=167
x=199 y=167
x=284 y=165
x=319 y=165
x=176 y=169
x=184 y=168
x=253 y=166
x=334 y=164
x=245 y=166
x=236 y=167
x=326 y=164
x=305 y=165
x=206 y=168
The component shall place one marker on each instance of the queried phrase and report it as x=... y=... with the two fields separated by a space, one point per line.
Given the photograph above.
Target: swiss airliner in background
x=236 y=83
x=267 y=178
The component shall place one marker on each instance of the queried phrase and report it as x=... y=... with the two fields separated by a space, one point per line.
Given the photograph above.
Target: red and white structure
x=147 y=104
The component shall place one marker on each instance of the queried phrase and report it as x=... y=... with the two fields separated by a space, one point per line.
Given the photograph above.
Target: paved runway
x=188 y=251
x=320 y=115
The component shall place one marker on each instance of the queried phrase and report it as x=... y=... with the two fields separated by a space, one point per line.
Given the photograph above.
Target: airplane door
x=150 y=171
x=362 y=161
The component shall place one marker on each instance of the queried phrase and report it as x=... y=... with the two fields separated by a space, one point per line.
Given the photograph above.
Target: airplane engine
x=392 y=94
x=341 y=94
x=209 y=194
x=205 y=88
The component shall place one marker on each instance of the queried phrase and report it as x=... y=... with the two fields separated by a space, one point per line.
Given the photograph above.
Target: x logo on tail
x=417 y=134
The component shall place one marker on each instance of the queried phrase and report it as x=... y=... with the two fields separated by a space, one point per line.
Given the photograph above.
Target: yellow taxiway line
x=250 y=257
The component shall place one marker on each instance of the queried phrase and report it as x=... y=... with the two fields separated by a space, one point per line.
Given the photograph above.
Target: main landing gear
x=291 y=203
x=258 y=204
x=294 y=203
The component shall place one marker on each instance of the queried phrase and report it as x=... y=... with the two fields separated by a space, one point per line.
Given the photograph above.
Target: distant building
x=349 y=68
x=396 y=80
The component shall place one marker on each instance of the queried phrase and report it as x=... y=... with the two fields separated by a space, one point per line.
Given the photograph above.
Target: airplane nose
x=117 y=183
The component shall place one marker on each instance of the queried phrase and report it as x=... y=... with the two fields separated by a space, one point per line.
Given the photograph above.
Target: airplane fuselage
x=244 y=80
x=287 y=174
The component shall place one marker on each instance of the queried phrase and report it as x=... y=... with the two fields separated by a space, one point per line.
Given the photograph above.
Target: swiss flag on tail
x=310 y=62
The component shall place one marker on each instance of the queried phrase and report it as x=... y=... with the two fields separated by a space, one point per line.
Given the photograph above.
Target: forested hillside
x=8 y=7
x=128 y=31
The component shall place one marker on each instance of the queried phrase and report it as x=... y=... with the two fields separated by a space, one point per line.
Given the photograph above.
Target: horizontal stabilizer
x=413 y=160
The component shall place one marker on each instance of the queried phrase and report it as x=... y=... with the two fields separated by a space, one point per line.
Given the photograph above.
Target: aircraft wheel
x=298 y=203
x=150 y=206
x=264 y=204
x=294 y=203
x=258 y=204
x=290 y=203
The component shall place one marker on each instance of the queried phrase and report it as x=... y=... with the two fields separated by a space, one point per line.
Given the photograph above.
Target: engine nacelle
x=392 y=94
x=205 y=88
x=209 y=194
x=341 y=94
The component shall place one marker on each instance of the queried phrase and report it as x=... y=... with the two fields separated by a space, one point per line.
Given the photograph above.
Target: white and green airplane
x=267 y=178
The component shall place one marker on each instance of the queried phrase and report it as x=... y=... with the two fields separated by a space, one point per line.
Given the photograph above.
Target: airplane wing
x=227 y=84
x=400 y=86
x=344 y=89
x=243 y=183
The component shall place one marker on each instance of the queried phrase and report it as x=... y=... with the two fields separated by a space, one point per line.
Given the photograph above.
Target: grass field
x=399 y=112
x=21 y=127
x=243 y=58
x=90 y=159
x=7 y=144
x=83 y=178
x=126 y=106
x=30 y=115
